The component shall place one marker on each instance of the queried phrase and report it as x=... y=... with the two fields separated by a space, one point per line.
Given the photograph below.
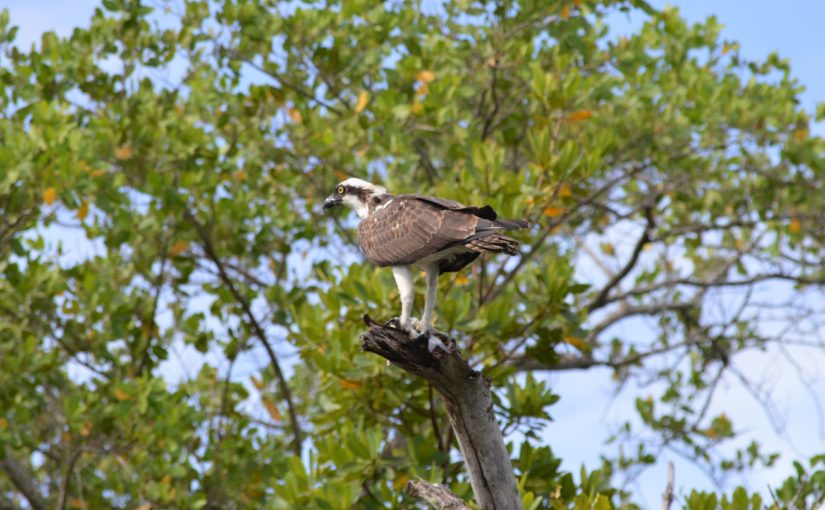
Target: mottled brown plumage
x=434 y=234
x=407 y=229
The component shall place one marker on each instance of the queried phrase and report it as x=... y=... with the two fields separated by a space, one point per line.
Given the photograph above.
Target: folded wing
x=410 y=228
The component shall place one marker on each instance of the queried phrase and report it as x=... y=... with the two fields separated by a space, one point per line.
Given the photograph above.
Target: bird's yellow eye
x=340 y=190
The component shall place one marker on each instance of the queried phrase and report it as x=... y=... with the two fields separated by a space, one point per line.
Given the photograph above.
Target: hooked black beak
x=331 y=202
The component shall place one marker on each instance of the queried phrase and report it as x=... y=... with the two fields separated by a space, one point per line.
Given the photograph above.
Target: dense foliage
x=161 y=176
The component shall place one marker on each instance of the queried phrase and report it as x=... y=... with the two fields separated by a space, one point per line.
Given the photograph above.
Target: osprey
x=437 y=235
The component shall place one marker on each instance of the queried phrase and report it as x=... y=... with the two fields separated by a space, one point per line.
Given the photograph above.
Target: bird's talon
x=433 y=342
x=394 y=323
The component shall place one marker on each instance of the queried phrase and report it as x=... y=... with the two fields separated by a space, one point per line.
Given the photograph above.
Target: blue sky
x=589 y=409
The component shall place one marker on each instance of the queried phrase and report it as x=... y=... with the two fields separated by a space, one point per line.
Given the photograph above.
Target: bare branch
x=209 y=249
x=601 y=299
x=469 y=407
x=632 y=311
x=438 y=496
x=667 y=497
x=64 y=487
x=22 y=480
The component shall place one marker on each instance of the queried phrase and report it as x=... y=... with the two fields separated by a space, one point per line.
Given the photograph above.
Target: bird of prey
x=437 y=235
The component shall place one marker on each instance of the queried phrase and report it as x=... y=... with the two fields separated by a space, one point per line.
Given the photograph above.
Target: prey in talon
x=434 y=234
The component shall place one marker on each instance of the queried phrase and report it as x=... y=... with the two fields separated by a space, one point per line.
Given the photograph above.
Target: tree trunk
x=469 y=406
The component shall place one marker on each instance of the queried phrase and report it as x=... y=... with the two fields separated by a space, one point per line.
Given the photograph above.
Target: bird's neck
x=362 y=209
x=373 y=204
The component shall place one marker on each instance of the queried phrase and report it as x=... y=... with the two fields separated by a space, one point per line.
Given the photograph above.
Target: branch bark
x=469 y=406
x=667 y=497
x=22 y=481
x=436 y=495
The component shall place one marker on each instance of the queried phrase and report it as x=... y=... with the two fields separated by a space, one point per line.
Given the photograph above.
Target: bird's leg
x=404 y=280
x=431 y=270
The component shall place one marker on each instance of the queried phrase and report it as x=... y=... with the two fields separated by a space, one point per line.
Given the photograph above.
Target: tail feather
x=493 y=243
x=511 y=224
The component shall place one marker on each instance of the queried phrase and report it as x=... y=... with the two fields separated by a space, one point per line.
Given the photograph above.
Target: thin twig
x=209 y=249
x=601 y=299
x=64 y=487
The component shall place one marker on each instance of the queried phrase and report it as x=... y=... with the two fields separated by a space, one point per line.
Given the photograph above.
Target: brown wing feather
x=409 y=229
x=485 y=212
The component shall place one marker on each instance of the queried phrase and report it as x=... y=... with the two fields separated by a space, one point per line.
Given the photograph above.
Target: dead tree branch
x=667 y=497
x=469 y=407
x=436 y=495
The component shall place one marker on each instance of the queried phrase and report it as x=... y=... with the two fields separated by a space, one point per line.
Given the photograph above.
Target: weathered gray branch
x=438 y=496
x=469 y=407
x=667 y=497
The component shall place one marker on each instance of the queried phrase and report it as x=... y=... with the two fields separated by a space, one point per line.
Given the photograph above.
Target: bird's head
x=354 y=193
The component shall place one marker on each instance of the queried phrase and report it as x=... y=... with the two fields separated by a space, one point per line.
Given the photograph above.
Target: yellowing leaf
x=416 y=107
x=77 y=503
x=795 y=227
x=425 y=76
x=121 y=395
x=401 y=481
x=351 y=385
x=257 y=383
x=564 y=190
x=529 y=201
x=461 y=280
x=580 y=115
x=272 y=409
x=86 y=429
x=552 y=212
x=295 y=115
x=800 y=135
x=122 y=153
x=363 y=99
x=83 y=210
x=239 y=176
x=565 y=12
x=178 y=248
x=422 y=89
x=4 y=424
x=576 y=342
x=166 y=480
x=49 y=196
